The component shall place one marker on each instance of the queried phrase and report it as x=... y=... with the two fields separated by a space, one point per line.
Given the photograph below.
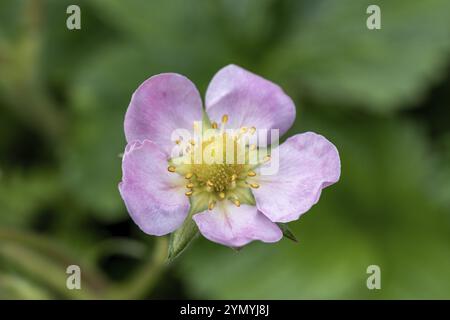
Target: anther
x=195 y=125
x=244 y=129
x=189 y=175
x=211 y=205
x=222 y=195
x=192 y=142
x=233 y=177
x=190 y=185
x=252 y=130
x=225 y=118
x=266 y=158
x=237 y=203
x=189 y=193
x=214 y=125
x=254 y=185
x=251 y=173
x=209 y=183
x=171 y=169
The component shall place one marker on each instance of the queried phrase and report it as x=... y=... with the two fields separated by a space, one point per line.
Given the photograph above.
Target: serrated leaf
x=330 y=53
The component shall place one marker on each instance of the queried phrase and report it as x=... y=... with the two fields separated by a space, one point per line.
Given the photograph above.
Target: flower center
x=220 y=166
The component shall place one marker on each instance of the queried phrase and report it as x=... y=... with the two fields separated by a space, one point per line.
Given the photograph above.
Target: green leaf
x=335 y=59
x=99 y=100
x=287 y=232
x=182 y=237
x=39 y=187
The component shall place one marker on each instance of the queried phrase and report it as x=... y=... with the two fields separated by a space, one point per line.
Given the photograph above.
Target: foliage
x=381 y=96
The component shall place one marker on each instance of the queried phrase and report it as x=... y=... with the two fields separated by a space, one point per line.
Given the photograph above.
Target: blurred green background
x=381 y=96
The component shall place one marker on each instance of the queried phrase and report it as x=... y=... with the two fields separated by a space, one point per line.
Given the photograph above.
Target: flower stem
x=145 y=279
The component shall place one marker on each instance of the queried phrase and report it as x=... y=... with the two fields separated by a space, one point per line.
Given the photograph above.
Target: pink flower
x=232 y=204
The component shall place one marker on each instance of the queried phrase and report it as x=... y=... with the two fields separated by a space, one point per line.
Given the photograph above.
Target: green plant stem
x=30 y=245
x=145 y=279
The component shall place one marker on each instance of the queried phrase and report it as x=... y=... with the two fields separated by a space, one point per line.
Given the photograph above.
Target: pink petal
x=308 y=163
x=153 y=196
x=236 y=226
x=160 y=105
x=248 y=100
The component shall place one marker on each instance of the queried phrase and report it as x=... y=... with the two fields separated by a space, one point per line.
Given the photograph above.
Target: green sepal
x=183 y=236
x=206 y=122
x=245 y=196
x=287 y=232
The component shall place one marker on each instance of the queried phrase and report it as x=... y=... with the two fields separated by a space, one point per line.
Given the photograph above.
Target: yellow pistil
x=225 y=177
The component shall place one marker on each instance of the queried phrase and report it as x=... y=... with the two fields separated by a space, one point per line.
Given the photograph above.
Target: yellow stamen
x=189 y=175
x=266 y=158
x=244 y=129
x=195 y=125
x=171 y=169
x=225 y=118
x=237 y=203
x=190 y=185
x=222 y=195
x=189 y=193
x=192 y=142
x=233 y=177
x=254 y=185
x=209 y=183
x=177 y=141
x=214 y=125
x=251 y=173
x=211 y=205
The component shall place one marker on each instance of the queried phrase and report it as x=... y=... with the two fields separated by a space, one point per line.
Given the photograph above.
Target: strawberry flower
x=231 y=203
